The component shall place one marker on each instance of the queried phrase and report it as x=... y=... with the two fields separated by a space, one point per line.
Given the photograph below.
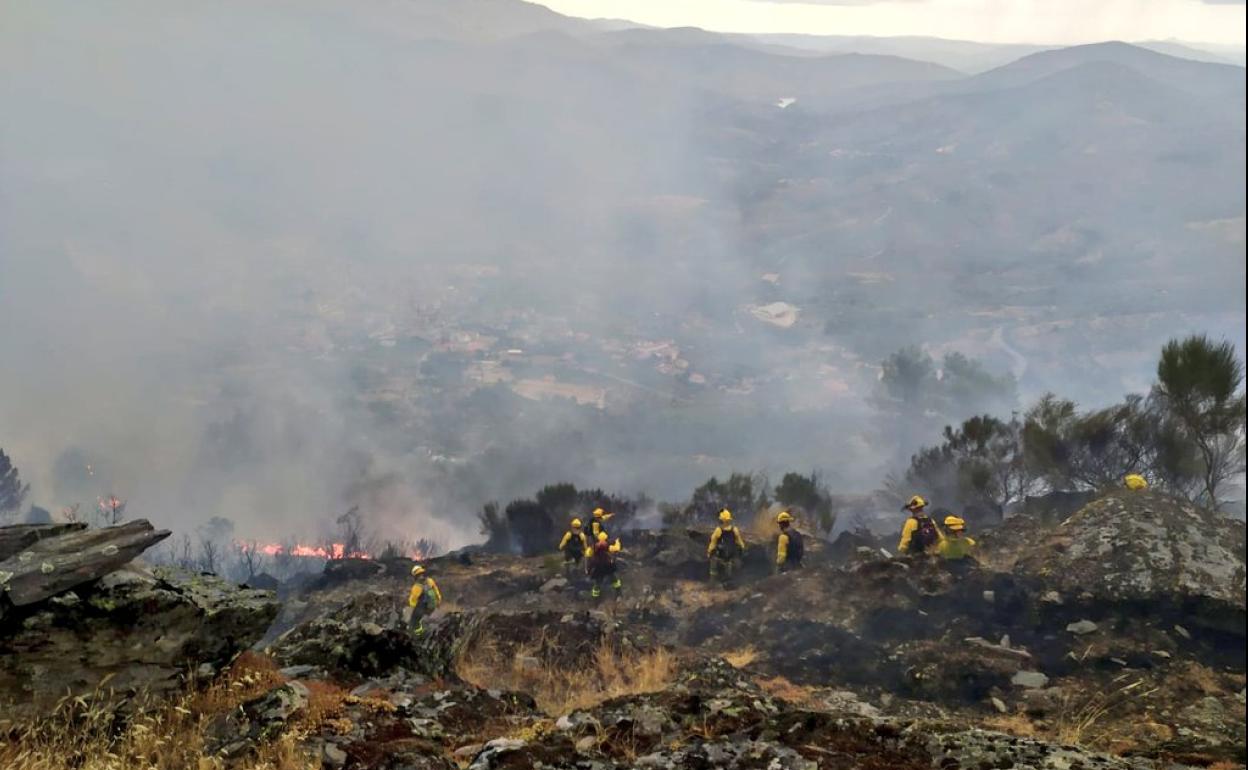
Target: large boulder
x=1144 y=547
x=136 y=628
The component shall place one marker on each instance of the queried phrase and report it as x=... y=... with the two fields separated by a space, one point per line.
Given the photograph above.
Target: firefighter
x=573 y=545
x=919 y=534
x=956 y=545
x=597 y=524
x=789 y=545
x=423 y=599
x=725 y=549
x=600 y=563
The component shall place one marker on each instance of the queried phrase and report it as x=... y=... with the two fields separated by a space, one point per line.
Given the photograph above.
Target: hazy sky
x=1030 y=21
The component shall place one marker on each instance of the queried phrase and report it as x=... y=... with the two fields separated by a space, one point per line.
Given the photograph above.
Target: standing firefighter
x=725 y=548
x=601 y=565
x=919 y=534
x=574 y=545
x=789 y=546
x=423 y=600
x=598 y=524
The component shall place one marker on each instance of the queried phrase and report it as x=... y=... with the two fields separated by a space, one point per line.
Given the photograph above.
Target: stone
x=1082 y=627
x=586 y=744
x=990 y=596
x=505 y=744
x=1032 y=680
x=333 y=756
x=1183 y=632
x=1051 y=597
x=999 y=705
x=554 y=584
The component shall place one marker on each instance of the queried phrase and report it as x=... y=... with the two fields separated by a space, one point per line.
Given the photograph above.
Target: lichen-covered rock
x=258 y=720
x=141 y=629
x=1142 y=546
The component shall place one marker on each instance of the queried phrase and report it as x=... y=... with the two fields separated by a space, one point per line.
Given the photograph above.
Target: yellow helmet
x=1135 y=481
x=784 y=517
x=576 y=524
x=725 y=516
x=599 y=513
x=954 y=523
x=602 y=537
x=916 y=503
x=418 y=570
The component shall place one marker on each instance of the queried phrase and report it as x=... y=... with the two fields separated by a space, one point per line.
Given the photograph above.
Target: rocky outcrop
x=132 y=628
x=1143 y=547
x=55 y=558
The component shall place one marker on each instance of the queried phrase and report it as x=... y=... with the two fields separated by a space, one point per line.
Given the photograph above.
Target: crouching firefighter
x=956 y=546
x=423 y=600
x=601 y=565
x=725 y=549
x=573 y=545
x=789 y=545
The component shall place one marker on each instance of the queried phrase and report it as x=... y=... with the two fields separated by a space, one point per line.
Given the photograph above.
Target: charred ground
x=1119 y=630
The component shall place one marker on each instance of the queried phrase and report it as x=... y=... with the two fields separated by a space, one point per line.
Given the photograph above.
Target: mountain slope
x=1207 y=80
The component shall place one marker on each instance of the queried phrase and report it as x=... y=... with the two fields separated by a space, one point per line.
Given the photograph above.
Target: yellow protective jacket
x=718 y=535
x=571 y=536
x=596 y=526
x=782 y=549
x=418 y=593
x=613 y=548
x=954 y=547
x=907 y=532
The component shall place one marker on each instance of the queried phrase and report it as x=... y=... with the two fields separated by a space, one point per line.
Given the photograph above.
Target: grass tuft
x=89 y=733
x=558 y=689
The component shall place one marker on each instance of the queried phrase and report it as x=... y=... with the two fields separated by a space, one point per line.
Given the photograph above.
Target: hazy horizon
x=270 y=260
x=1032 y=22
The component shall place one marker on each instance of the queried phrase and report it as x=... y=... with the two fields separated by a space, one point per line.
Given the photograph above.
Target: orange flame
x=330 y=551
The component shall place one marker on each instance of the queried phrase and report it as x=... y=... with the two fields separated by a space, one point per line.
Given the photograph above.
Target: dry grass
x=86 y=733
x=1013 y=724
x=797 y=694
x=1089 y=720
x=559 y=690
x=740 y=658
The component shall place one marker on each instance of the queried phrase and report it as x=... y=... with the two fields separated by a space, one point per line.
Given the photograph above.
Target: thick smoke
x=254 y=256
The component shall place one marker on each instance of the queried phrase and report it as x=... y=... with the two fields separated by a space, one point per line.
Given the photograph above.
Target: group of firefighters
x=594 y=551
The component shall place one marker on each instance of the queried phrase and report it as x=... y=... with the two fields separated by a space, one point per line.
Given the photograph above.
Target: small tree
x=808 y=495
x=351 y=532
x=980 y=466
x=250 y=558
x=741 y=493
x=185 y=552
x=1199 y=383
x=494 y=527
x=12 y=491
x=209 y=555
x=112 y=510
x=284 y=558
